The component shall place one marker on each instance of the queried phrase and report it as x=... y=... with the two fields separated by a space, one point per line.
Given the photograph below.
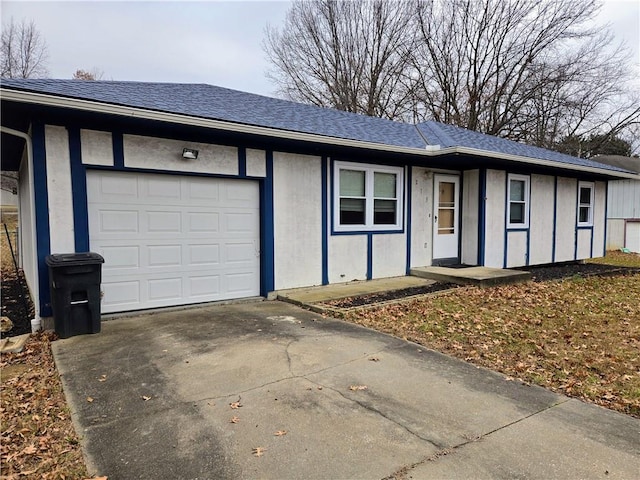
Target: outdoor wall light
x=189 y=153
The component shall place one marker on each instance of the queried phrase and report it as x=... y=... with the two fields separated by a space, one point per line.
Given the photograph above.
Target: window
x=585 y=204
x=518 y=204
x=367 y=197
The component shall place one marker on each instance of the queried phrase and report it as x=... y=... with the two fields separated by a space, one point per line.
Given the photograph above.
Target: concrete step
x=480 y=276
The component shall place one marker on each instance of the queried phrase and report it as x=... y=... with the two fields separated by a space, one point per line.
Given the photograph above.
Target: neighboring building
x=623 y=205
x=195 y=193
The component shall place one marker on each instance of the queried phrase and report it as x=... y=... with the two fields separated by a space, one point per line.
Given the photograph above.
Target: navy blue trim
x=584 y=227
x=506 y=220
x=325 y=221
x=555 y=218
x=242 y=162
x=606 y=209
x=482 y=214
x=368 y=232
x=267 y=229
x=117 y=142
x=79 y=192
x=409 y=180
x=369 y=256
x=169 y=172
x=41 y=200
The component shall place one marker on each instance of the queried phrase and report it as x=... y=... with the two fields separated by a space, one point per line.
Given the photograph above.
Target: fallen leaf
x=103 y=378
x=145 y=398
x=90 y=399
x=358 y=387
x=374 y=359
x=235 y=405
x=30 y=450
x=280 y=433
x=258 y=451
x=234 y=419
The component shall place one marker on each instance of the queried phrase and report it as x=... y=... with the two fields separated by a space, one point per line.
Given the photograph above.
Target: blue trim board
x=41 y=200
x=325 y=220
x=369 y=256
x=482 y=213
x=79 y=192
x=242 y=162
x=168 y=172
x=117 y=142
x=555 y=218
x=409 y=180
x=506 y=219
x=606 y=209
x=575 y=236
x=267 y=229
x=460 y=212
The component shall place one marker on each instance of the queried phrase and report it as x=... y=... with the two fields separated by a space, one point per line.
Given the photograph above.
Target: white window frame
x=592 y=187
x=369 y=170
x=527 y=199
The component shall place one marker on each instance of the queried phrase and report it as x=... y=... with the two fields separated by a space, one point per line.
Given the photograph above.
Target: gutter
x=35 y=287
x=136 y=112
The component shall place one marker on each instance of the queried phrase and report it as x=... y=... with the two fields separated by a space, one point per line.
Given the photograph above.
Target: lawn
x=578 y=336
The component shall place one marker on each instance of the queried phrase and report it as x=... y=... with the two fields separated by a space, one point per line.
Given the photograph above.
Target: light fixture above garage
x=189 y=153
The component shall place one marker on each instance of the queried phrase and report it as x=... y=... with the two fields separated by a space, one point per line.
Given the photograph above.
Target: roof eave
x=51 y=100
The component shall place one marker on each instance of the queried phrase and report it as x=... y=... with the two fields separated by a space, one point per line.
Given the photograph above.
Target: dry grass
x=10 y=219
x=38 y=439
x=616 y=257
x=579 y=336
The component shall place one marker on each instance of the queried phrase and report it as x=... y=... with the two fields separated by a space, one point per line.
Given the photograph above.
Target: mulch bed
x=16 y=302
x=372 y=298
x=543 y=273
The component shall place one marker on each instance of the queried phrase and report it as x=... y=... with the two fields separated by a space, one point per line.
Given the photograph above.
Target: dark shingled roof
x=218 y=103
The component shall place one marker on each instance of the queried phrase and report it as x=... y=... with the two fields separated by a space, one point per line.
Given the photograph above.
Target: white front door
x=445 y=217
x=173 y=240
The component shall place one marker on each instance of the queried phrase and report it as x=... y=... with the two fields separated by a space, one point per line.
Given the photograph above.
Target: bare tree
x=23 y=52
x=348 y=55
x=530 y=70
x=93 y=74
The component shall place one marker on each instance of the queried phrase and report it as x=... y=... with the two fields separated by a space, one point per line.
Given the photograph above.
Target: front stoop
x=479 y=276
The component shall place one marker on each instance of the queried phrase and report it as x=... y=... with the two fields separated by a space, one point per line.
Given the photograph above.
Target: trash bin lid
x=72 y=259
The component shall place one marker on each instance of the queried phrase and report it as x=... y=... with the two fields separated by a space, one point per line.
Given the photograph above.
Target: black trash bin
x=75 y=279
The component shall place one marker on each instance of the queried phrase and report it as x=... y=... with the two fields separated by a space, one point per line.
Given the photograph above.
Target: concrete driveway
x=152 y=397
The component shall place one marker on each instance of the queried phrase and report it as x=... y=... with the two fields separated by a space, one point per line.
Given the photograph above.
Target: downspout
x=27 y=138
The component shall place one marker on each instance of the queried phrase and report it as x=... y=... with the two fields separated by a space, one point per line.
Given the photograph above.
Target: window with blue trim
x=518 y=201
x=367 y=197
x=585 y=204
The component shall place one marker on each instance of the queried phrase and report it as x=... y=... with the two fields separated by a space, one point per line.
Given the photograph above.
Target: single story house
x=623 y=205
x=196 y=193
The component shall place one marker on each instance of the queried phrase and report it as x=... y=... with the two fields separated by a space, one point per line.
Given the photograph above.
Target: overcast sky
x=213 y=42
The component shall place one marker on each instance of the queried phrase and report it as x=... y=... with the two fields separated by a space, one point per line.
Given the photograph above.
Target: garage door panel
x=181 y=240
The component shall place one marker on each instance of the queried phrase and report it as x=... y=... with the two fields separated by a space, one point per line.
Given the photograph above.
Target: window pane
x=351 y=211
x=446 y=194
x=516 y=192
x=585 y=195
x=384 y=185
x=351 y=183
x=445 y=221
x=384 y=212
x=583 y=216
x=516 y=213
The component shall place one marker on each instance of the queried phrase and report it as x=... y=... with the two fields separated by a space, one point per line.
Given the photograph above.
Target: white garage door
x=173 y=240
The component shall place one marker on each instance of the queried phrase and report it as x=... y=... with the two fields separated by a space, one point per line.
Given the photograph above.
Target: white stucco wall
x=59 y=189
x=599 y=218
x=516 y=248
x=97 y=147
x=469 y=232
x=566 y=206
x=421 y=215
x=347 y=258
x=495 y=218
x=256 y=163
x=165 y=154
x=297 y=199
x=389 y=255
x=541 y=219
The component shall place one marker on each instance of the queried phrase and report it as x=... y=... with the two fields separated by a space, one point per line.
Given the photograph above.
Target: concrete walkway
x=153 y=396
x=479 y=276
